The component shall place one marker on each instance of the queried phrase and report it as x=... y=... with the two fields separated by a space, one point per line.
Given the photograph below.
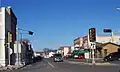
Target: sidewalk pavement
x=98 y=60
x=83 y=61
x=10 y=67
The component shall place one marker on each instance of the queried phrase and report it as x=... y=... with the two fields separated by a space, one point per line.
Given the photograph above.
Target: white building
x=51 y=54
x=65 y=50
x=8 y=23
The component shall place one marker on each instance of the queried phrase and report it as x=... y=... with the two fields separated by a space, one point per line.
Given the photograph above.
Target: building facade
x=8 y=22
x=65 y=50
x=105 y=39
x=84 y=43
x=105 y=49
x=78 y=42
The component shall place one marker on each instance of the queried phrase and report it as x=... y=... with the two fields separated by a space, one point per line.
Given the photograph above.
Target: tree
x=46 y=49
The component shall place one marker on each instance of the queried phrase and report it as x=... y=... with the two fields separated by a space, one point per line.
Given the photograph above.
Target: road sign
x=15 y=48
x=10 y=51
x=93 y=45
x=107 y=30
x=87 y=55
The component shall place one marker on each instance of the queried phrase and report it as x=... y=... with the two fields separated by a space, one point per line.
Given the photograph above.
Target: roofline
x=110 y=43
x=65 y=46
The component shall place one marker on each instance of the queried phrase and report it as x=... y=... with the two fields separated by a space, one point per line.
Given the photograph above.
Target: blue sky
x=58 y=22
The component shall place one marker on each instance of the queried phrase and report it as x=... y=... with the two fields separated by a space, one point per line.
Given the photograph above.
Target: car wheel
x=118 y=58
x=105 y=60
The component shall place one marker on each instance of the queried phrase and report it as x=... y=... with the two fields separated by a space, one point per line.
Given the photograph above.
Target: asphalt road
x=47 y=65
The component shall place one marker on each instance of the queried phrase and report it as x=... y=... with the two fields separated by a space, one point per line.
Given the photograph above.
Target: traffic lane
x=41 y=66
x=47 y=65
x=67 y=67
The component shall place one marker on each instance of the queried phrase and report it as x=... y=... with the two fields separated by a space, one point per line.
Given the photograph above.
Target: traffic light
x=30 y=32
x=10 y=37
x=107 y=30
x=92 y=34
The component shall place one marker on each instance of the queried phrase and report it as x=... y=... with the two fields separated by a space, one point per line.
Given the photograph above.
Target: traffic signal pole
x=92 y=38
x=17 y=54
x=93 y=52
x=112 y=37
x=18 y=61
x=109 y=31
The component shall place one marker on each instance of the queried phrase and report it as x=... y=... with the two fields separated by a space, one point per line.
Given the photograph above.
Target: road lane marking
x=50 y=64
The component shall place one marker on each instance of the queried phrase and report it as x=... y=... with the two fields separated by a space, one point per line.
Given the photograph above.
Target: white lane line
x=50 y=64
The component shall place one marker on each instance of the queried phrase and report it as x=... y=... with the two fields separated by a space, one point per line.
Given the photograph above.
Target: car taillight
x=80 y=57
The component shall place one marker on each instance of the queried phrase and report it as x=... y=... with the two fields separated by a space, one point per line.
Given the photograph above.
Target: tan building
x=105 y=49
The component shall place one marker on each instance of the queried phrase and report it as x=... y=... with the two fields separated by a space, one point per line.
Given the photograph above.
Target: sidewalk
x=83 y=61
x=98 y=60
x=10 y=67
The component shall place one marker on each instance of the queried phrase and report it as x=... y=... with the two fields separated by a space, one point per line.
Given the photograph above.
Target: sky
x=59 y=22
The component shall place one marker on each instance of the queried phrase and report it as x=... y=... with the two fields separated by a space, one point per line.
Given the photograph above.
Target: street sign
x=15 y=48
x=10 y=51
x=87 y=55
x=107 y=30
x=93 y=45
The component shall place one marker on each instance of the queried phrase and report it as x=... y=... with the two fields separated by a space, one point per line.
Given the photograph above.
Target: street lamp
x=28 y=32
x=17 y=54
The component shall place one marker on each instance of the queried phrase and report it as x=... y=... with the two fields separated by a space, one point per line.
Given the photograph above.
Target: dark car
x=57 y=58
x=37 y=59
x=112 y=56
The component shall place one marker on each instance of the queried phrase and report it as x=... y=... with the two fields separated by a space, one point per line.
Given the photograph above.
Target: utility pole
x=17 y=58
x=18 y=62
x=8 y=48
x=18 y=50
x=109 y=31
x=112 y=36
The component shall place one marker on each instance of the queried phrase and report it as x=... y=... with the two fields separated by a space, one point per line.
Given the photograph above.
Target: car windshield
x=58 y=55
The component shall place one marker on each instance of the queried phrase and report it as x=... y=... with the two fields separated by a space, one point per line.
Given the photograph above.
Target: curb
x=10 y=68
x=85 y=63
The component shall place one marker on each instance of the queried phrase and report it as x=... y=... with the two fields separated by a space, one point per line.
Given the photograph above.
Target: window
x=105 y=52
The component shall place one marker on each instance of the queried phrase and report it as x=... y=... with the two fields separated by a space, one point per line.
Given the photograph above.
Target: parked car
x=37 y=59
x=57 y=58
x=112 y=57
x=78 y=54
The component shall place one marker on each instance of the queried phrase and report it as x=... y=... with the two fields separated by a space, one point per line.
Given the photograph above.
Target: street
x=47 y=65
